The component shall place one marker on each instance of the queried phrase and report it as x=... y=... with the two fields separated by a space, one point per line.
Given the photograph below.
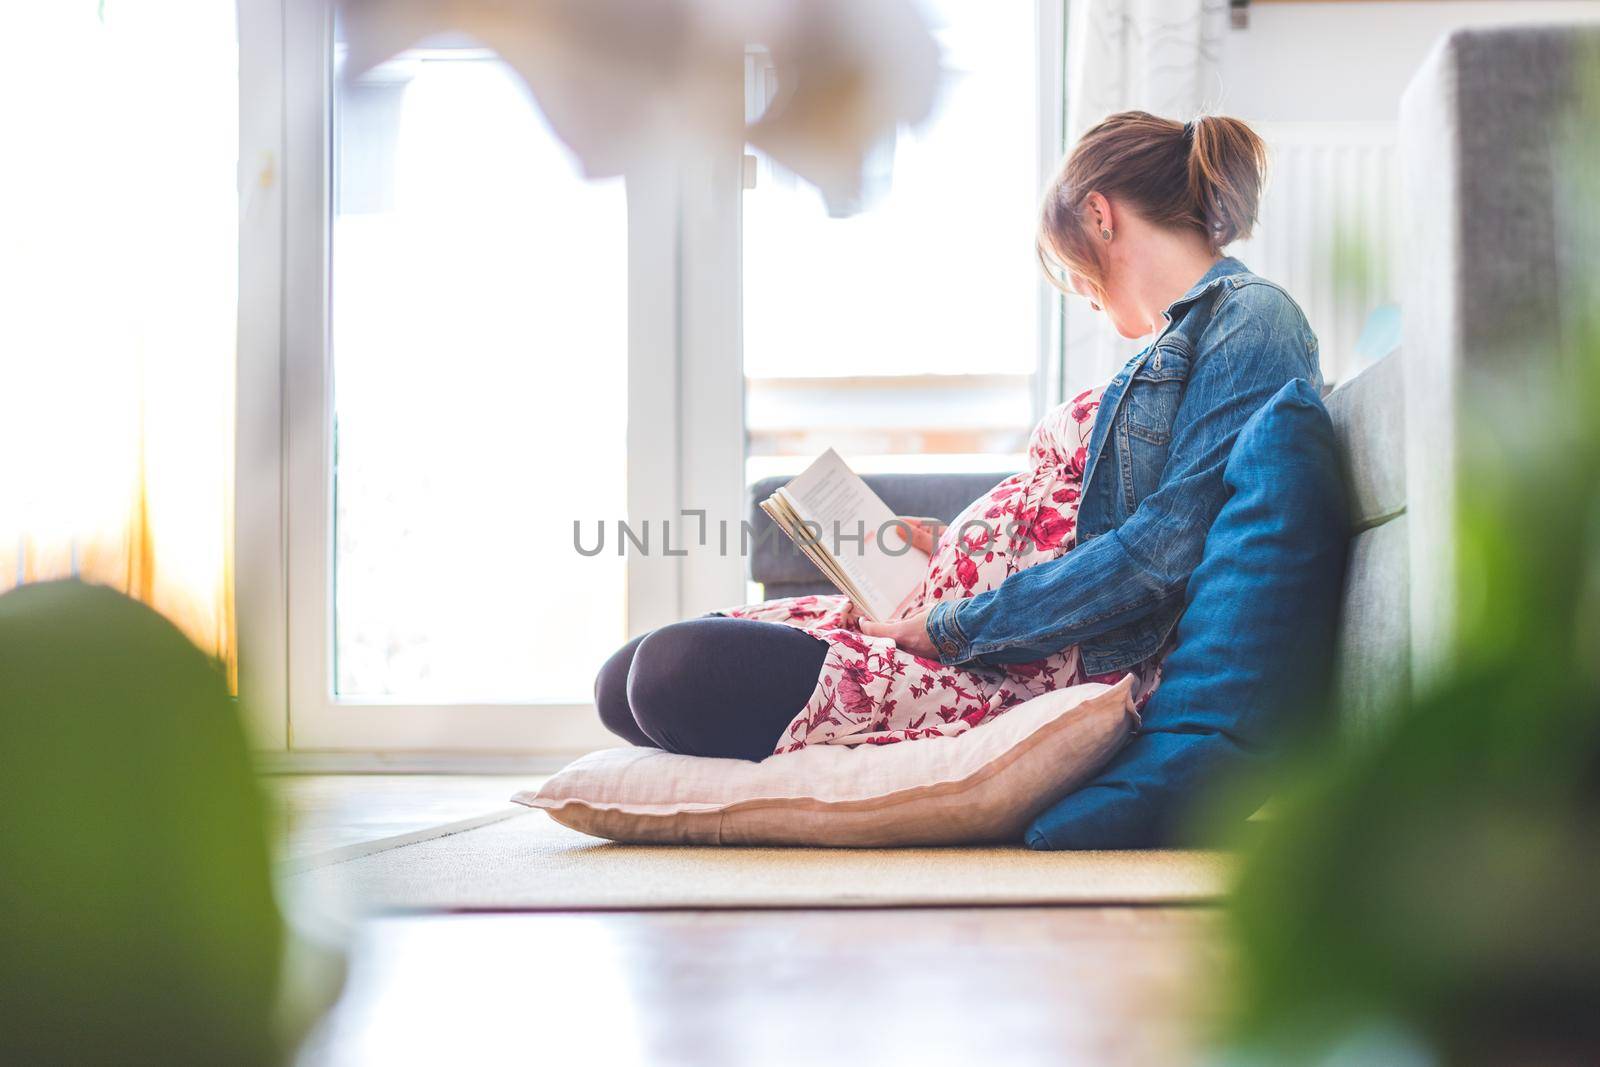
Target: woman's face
x=1128 y=256
x=1115 y=303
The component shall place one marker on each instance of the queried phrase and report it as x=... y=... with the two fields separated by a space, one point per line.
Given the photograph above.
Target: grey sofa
x=1495 y=246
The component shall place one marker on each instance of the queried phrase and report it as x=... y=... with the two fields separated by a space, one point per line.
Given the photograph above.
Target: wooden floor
x=872 y=986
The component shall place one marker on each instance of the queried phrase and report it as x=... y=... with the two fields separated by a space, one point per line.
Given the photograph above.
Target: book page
x=782 y=514
x=848 y=519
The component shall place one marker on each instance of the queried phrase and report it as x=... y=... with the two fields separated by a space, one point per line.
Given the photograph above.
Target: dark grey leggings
x=712 y=686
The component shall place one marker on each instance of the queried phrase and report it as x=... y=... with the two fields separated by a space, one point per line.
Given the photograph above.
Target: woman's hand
x=923 y=531
x=910 y=634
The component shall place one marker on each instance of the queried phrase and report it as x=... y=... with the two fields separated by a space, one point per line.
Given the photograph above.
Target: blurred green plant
x=137 y=918
x=1357 y=260
x=1431 y=896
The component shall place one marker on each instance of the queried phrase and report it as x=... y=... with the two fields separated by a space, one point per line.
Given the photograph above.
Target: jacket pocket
x=1154 y=392
x=1145 y=433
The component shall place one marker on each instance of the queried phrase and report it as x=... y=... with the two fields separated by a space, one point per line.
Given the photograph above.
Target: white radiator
x=1328 y=229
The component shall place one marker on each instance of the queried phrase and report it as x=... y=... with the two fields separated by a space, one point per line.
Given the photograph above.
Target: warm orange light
x=119 y=269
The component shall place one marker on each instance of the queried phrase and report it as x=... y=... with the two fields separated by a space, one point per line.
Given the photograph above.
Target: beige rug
x=528 y=862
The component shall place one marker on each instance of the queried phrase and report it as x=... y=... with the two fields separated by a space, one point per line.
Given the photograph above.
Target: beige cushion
x=981 y=786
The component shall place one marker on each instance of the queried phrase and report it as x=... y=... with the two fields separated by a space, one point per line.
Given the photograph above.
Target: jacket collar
x=1222 y=268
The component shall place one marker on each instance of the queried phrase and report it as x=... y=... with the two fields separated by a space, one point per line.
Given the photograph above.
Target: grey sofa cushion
x=785 y=571
x=1372 y=667
x=1369 y=418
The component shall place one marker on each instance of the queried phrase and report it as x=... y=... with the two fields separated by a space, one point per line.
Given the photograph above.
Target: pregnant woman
x=1073 y=570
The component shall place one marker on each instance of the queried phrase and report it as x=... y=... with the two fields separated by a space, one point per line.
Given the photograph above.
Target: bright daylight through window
x=479 y=321
x=907 y=337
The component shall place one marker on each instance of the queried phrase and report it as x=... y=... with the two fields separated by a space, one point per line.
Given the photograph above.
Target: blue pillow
x=1254 y=645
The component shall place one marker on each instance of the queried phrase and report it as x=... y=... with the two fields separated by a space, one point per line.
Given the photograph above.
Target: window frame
x=1050 y=382
x=685 y=406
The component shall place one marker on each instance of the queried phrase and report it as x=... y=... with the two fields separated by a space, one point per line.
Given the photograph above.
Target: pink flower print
x=1076 y=465
x=852 y=642
x=1065 y=495
x=966 y=571
x=1049 y=528
x=852 y=692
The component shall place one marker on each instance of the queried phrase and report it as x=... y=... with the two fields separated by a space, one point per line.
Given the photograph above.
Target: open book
x=850 y=534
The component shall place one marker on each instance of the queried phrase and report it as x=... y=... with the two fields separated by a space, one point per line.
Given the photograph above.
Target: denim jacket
x=1152 y=484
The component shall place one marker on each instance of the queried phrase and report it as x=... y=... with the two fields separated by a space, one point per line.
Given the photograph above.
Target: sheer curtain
x=1160 y=56
x=118 y=263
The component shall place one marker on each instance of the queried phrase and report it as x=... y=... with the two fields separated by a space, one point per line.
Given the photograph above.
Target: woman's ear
x=1098 y=213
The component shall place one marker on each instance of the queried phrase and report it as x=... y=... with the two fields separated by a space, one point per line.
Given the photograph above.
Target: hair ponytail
x=1227 y=167
x=1204 y=176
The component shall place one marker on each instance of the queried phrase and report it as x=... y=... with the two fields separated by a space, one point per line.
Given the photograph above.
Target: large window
x=479 y=348
x=909 y=336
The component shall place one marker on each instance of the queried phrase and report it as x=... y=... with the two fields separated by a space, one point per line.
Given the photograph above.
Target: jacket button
x=948 y=647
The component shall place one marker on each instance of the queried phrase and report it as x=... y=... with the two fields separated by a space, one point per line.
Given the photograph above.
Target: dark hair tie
x=1188 y=130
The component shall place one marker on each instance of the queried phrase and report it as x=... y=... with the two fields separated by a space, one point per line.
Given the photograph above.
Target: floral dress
x=870 y=691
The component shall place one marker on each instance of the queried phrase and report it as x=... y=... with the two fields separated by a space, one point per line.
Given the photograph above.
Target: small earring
x=1105 y=235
